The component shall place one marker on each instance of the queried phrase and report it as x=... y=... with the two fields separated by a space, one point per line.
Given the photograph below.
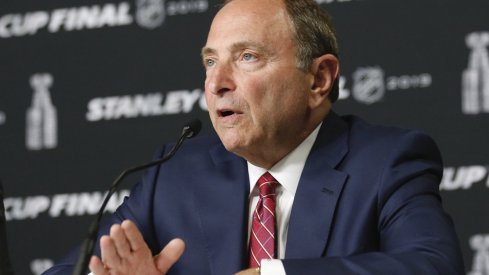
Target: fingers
x=124 y=251
x=118 y=246
x=134 y=238
x=109 y=252
x=120 y=241
x=169 y=255
x=124 y=240
x=96 y=266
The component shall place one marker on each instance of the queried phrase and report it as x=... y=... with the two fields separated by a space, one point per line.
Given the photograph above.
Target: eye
x=248 y=57
x=209 y=62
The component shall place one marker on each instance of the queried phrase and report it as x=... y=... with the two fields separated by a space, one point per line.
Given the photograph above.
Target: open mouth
x=226 y=113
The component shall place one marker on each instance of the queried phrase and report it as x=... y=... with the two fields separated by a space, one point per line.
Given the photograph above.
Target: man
x=335 y=195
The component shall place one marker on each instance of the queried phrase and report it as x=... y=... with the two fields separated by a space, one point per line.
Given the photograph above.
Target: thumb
x=169 y=255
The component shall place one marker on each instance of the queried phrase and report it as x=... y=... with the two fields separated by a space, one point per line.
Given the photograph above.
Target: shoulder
x=387 y=140
x=375 y=150
x=390 y=162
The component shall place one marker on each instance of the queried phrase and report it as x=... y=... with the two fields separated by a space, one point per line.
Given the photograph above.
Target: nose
x=219 y=79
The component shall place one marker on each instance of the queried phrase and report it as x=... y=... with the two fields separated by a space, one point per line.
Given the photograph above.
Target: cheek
x=289 y=100
x=259 y=90
x=260 y=104
x=209 y=100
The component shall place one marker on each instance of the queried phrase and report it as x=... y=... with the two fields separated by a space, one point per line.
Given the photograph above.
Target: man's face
x=257 y=97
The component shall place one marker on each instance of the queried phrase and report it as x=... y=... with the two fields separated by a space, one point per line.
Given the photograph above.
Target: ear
x=325 y=70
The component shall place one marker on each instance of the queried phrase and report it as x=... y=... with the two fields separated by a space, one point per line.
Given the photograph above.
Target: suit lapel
x=318 y=192
x=222 y=202
x=222 y=206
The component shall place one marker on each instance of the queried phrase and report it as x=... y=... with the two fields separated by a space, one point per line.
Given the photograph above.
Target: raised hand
x=124 y=251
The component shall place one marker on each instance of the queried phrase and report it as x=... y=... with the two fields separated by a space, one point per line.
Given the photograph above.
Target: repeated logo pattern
x=480 y=262
x=475 y=79
x=41 y=121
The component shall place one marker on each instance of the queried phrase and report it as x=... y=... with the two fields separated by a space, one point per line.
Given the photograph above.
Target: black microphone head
x=192 y=128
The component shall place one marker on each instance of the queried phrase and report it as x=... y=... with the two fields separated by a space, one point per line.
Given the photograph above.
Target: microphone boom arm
x=190 y=130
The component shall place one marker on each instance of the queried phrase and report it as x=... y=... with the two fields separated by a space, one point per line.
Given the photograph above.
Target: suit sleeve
x=416 y=236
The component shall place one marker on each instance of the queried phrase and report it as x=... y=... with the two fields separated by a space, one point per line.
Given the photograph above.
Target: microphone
x=190 y=130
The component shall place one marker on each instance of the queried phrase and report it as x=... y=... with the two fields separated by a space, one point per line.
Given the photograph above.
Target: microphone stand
x=190 y=130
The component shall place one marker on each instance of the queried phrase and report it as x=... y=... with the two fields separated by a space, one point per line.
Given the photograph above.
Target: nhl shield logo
x=368 y=85
x=150 y=14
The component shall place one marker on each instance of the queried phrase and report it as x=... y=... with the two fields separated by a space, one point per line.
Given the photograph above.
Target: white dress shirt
x=287 y=172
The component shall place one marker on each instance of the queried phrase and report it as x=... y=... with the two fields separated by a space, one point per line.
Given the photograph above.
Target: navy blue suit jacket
x=367 y=203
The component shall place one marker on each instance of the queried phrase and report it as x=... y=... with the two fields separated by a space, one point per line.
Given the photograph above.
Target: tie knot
x=267 y=184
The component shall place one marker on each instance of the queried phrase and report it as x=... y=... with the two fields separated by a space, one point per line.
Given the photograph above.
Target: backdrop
x=90 y=87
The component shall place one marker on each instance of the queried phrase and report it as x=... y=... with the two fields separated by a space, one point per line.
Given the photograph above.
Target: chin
x=232 y=143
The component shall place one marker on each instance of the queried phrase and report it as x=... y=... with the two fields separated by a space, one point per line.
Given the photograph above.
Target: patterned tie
x=262 y=237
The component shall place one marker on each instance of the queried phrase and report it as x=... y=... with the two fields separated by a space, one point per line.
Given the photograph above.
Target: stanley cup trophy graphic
x=475 y=79
x=480 y=262
x=41 y=121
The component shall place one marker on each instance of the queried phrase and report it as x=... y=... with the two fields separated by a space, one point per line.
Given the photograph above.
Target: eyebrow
x=207 y=51
x=237 y=46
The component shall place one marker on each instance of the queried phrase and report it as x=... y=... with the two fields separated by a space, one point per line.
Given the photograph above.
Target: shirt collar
x=289 y=169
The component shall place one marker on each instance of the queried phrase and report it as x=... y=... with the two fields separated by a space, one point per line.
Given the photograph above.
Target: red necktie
x=263 y=229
